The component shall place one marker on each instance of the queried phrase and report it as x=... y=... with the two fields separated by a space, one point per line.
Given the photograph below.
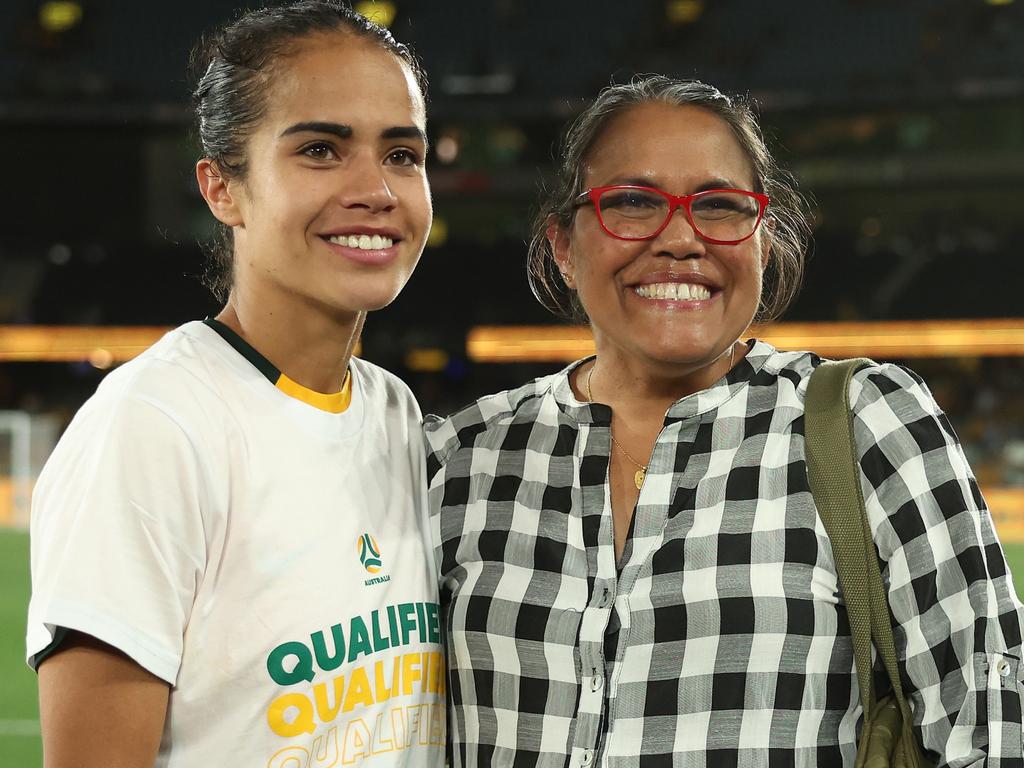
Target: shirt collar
x=696 y=404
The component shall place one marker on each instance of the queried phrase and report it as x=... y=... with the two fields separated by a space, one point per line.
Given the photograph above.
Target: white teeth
x=674 y=291
x=363 y=242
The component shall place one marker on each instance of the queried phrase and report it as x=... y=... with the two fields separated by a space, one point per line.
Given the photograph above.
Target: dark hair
x=232 y=69
x=788 y=210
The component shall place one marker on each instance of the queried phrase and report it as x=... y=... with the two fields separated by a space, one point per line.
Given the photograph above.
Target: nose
x=366 y=186
x=679 y=240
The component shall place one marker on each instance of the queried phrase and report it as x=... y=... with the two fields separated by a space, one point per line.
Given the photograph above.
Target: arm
x=98 y=708
x=118 y=552
x=957 y=620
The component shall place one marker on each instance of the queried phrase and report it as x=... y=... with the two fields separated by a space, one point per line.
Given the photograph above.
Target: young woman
x=229 y=557
x=633 y=569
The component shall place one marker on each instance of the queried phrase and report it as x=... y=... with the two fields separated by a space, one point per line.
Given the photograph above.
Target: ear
x=218 y=193
x=558 y=239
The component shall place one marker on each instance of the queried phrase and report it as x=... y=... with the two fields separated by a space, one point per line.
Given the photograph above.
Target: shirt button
x=606 y=598
x=587 y=757
x=597 y=682
x=1003 y=668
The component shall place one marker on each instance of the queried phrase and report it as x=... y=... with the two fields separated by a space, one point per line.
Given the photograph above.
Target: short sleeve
x=957 y=620
x=117 y=537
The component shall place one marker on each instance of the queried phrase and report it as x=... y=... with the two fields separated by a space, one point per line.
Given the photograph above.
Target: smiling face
x=673 y=303
x=334 y=209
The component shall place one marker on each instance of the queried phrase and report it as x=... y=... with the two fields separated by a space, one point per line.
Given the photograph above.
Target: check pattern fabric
x=721 y=639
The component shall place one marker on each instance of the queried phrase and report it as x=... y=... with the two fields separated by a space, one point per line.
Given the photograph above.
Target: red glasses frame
x=674 y=202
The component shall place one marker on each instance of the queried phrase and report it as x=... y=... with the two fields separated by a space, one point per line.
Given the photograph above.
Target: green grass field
x=19 y=712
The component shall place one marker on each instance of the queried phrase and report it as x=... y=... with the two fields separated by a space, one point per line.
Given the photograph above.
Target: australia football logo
x=369 y=553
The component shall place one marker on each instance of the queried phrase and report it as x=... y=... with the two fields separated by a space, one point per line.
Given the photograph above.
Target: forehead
x=344 y=78
x=676 y=146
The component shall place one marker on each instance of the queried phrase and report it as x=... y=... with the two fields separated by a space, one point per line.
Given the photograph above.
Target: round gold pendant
x=638 y=478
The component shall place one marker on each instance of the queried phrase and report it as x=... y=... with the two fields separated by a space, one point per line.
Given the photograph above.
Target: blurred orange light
x=43 y=343
x=101 y=358
x=883 y=340
x=426 y=360
x=59 y=15
x=438 y=234
x=101 y=346
x=683 y=11
x=382 y=13
x=1007 y=508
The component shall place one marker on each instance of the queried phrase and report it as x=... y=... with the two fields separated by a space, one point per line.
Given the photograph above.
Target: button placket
x=591 y=679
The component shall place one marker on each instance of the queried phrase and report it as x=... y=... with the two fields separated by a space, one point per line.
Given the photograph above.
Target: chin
x=683 y=346
x=365 y=296
x=370 y=301
x=681 y=353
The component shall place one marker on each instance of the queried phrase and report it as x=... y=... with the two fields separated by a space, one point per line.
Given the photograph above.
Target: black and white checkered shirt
x=723 y=639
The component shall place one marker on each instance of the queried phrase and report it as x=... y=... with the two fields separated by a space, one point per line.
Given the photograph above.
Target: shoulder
x=163 y=400
x=488 y=416
x=906 y=445
x=383 y=389
x=183 y=364
x=886 y=397
x=873 y=386
x=892 y=409
x=179 y=375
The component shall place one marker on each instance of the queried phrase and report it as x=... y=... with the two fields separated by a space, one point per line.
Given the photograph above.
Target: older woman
x=633 y=569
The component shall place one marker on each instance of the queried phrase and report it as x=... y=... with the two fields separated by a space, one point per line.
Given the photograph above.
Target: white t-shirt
x=268 y=559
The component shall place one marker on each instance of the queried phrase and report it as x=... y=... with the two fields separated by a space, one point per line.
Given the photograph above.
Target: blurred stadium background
x=904 y=121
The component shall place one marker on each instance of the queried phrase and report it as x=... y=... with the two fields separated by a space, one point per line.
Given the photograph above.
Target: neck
x=638 y=390
x=308 y=345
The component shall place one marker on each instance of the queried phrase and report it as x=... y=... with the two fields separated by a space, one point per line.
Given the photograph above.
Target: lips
x=362 y=242
x=371 y=246
x=674 y=291
x=672 y=286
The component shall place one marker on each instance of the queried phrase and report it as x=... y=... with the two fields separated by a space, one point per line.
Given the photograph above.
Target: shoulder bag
x=887 y=735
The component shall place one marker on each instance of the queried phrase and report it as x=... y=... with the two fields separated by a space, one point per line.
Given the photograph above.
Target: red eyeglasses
x=721 y=216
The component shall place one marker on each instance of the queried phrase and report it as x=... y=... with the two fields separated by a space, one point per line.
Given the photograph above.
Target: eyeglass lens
x=638 y=213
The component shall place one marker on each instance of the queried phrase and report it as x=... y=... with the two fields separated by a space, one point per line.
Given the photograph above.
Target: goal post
x=26 y=440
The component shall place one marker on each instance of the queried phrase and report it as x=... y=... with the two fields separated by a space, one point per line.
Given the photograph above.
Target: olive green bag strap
x=887 y=736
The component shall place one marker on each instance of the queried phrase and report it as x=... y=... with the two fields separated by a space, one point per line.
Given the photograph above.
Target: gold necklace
x=641 y=473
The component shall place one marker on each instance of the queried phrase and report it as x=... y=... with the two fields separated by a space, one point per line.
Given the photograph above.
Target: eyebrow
x=639 y=181
x=404 y=132
x=343 y=131
x=718 y=183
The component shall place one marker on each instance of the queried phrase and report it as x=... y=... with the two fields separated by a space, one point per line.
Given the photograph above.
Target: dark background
x=904 y=121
